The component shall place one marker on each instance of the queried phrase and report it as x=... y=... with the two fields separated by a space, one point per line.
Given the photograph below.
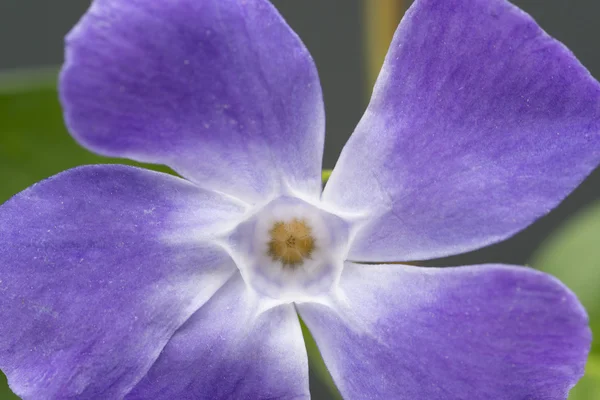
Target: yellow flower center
x=291 y=242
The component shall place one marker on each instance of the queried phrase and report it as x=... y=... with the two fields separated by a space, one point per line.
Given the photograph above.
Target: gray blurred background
x=337 y=34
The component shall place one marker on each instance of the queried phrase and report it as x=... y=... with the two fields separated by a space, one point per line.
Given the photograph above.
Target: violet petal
x=100 y=265
x=479 y=124
x=232 y=348
x=477 y=332
x=222 y=91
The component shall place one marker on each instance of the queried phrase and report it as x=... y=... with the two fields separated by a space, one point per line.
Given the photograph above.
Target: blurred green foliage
x=572 y=254
x=588 y=387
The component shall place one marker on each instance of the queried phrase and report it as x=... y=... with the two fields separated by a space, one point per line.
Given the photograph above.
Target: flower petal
x=231 y=349
x=479 y=124
x=479 y=332
x=99 y=266
x=223 y=91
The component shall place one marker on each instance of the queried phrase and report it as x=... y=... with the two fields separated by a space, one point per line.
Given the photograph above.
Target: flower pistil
x=291 y=242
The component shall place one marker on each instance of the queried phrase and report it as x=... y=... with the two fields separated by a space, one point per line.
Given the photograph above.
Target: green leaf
x=325 y=174
x=572 y=254
x=317 y=365
x=5 y=392
x=588 y=387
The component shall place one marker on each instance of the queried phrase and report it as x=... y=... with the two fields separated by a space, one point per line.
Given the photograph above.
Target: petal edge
x=486 y=331
x=479 y=124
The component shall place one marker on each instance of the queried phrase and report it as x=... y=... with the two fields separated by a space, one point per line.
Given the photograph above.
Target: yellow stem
x=381 y=20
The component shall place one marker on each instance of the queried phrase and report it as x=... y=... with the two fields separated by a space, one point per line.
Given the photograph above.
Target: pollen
x=291 y=242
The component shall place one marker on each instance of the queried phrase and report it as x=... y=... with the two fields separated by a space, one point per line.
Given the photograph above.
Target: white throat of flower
x=290 y=250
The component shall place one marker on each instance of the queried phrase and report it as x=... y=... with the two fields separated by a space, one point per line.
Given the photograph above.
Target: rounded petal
x=232 y=348
x=479 y=124
x=479 y=332
x=222 y=91
x=99 y=265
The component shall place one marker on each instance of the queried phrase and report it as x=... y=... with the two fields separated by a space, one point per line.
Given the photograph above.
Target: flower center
x=290 y=250
x=291 y=242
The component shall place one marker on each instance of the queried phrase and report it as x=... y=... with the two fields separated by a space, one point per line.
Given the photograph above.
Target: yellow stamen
x=291 y=242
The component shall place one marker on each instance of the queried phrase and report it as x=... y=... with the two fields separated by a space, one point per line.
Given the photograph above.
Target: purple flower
x=117 y=282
